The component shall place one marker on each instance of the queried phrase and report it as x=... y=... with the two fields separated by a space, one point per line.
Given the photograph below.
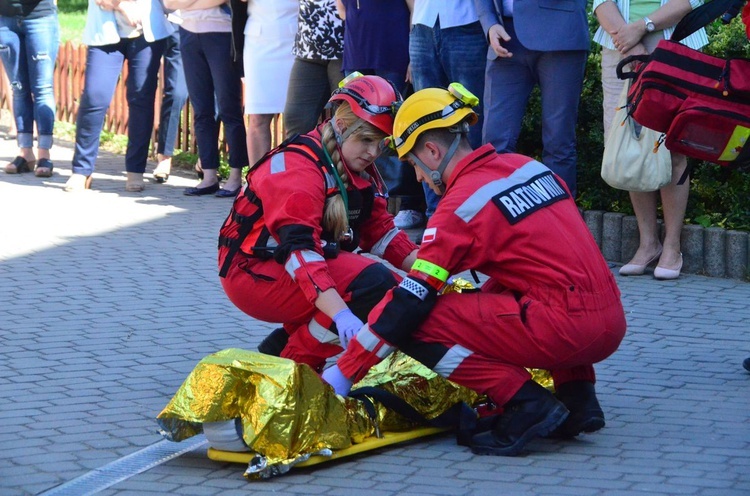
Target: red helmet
x=372 y=99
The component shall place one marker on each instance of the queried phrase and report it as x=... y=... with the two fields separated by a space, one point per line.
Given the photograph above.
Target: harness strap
x=460 y=415
x=247 y=222
x=319 y=153
x=234 y=244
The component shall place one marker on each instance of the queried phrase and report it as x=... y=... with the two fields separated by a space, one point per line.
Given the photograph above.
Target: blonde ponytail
x=335 y=216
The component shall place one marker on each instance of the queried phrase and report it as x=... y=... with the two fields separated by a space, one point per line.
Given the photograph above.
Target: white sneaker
x=407 y=219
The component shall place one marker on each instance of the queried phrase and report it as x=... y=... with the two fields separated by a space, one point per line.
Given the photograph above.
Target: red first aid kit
x=700 y=102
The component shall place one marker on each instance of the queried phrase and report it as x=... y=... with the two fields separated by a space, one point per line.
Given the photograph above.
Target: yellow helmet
x=431 y=108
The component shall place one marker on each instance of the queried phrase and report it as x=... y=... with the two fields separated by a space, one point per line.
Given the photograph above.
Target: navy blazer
x=542 y=25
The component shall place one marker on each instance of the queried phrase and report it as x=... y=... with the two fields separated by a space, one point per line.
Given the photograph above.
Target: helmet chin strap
x=341 y=137
x=436 y=176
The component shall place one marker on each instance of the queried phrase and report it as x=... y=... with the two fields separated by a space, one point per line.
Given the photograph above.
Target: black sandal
x=20 y=165
x=44 y=167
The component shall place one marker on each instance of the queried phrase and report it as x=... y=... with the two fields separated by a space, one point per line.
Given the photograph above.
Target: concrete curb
x=713 y=251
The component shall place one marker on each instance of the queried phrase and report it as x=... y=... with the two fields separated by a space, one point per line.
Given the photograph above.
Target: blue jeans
x=103 y=67
x=559 y=75
x=442 y=56
x=213 y=80
x=28 y=49
x=174 y=97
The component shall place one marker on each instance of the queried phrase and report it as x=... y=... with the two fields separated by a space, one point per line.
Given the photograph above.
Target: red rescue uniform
x=550 y=302
x=281 y=267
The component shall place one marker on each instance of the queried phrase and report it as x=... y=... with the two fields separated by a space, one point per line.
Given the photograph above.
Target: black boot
x=585 y=413
x=532 y=412
x=467 y=430
x=274 y=343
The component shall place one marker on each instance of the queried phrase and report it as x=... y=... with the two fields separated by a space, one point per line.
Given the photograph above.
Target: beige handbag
x=634 y=159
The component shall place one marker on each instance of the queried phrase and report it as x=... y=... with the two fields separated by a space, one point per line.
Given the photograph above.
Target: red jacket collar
x=476 y=158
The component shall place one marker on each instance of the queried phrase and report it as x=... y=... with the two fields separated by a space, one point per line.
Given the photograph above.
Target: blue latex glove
x=333 y=376
x=348 y=326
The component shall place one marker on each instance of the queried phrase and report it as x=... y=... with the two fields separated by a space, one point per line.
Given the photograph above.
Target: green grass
x=118 y=143
x=111 y=142
x=72 y=15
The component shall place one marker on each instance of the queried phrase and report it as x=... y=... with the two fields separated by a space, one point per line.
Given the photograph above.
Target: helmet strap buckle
x=341 y=137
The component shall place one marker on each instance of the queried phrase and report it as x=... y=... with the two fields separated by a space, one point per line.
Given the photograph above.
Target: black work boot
x=467 y=430
x=275 y=342
x=585 y=413
x=532 y=412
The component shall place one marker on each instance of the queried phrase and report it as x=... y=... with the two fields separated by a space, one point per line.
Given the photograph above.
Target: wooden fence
x=70 y=72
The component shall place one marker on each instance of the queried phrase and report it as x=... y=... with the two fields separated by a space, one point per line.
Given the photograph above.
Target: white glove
x=348 y=326
x=333 y=376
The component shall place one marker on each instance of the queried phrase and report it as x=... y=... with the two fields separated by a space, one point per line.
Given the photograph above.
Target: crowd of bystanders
x=274 y=57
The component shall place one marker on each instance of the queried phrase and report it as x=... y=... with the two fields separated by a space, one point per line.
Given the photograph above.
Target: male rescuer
x=550 y=302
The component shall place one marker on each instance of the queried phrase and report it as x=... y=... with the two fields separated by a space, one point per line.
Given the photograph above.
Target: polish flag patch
x=429 y=235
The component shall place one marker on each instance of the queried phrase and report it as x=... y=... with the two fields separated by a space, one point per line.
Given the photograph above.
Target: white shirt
x=212 y=20
x=102 y=29
x=694 y=41
x=452 y=13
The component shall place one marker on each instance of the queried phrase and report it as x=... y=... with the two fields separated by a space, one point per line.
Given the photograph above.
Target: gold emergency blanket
x=288 y=413
x=285 y=408
x=427 y=392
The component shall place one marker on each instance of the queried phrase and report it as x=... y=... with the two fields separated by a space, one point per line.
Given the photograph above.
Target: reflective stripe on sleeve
x=379 y=248
x=295 y=263
x=453 y=358
x=370 y=342
x=414 y=288
x=321 y=334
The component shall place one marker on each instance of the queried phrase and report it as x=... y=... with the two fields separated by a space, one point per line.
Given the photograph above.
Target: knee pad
x=368 y=288
x=274 y=343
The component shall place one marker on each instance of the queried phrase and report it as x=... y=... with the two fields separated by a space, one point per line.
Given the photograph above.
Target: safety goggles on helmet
x=373 y=99
x=363 y=102
x=463 y=98
x=369 y=107
x=387 y=146
x=431 y=108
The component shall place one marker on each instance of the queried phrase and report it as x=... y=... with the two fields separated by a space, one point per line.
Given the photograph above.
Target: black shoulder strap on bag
x=704 y=15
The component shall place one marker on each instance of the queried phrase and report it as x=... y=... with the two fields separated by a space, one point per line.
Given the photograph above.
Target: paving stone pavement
x=111 y=298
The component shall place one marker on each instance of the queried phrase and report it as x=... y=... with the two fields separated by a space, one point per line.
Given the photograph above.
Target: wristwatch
x=650 y=26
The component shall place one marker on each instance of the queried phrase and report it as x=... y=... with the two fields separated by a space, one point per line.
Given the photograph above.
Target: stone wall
x=712 y=251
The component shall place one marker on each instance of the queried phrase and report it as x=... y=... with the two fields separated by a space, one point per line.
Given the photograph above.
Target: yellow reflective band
x=430 y=269
x=736 y=142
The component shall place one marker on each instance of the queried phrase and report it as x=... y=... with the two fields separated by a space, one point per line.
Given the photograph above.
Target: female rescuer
x=285 y=250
